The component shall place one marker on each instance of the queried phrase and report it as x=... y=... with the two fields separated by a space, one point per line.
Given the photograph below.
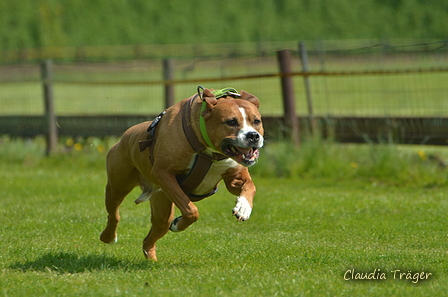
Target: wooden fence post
x=168 y=76
x=49 y=116
x=289 y=106
x=309 y=99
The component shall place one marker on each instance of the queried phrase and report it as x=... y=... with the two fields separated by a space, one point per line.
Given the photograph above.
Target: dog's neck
x=187 y=125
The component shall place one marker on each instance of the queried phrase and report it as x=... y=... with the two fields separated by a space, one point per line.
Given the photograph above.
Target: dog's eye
x=232 y=123
x=257 y=122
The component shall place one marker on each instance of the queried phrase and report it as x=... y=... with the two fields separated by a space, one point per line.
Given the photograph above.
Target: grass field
x=312 y=222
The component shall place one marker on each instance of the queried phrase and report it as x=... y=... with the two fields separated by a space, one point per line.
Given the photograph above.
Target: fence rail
x=242 y=77
x=255 y=76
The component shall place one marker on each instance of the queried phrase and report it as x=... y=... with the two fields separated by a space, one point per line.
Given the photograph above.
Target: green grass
x=390 y=164
x=309 y=226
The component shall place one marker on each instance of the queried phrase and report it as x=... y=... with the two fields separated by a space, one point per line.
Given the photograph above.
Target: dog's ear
x=249 y=97
x=208 y=96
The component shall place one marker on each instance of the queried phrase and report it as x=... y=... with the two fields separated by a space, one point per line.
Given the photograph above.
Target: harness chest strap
x=202 y=161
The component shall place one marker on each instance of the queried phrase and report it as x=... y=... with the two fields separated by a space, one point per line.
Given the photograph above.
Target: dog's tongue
x=244 y=150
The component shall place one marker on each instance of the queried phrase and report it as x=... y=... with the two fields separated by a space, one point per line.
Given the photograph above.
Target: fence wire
x=346 y=80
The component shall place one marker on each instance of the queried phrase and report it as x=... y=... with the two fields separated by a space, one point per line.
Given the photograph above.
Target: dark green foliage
x=48 y=23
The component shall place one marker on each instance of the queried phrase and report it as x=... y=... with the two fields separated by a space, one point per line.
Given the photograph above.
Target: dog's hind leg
x=162 y=213
x=114 y=198
x=122 y=178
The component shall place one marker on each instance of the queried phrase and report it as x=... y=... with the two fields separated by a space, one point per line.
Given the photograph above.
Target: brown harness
x=202 y=162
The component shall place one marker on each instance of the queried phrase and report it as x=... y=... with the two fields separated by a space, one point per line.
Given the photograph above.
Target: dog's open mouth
x=246 y=156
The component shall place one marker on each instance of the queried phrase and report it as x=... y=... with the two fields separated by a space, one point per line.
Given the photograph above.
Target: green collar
x=203 y=128
x=218 y=94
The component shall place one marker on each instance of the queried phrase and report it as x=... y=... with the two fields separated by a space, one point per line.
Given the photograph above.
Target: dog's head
x=234 y=126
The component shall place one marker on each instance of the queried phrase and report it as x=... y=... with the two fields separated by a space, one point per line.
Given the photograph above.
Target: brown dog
x=221 y=135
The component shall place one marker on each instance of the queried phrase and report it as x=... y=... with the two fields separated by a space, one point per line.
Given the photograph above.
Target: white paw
x=173 y=226
x=242 y=209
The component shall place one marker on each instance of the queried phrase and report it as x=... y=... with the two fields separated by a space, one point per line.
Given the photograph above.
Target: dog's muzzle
x=244 y=150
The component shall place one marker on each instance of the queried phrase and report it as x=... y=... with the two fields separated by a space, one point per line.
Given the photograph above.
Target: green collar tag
x=232 y=92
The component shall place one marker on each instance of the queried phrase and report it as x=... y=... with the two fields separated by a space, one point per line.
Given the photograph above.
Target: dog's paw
x=242 y=209
x=106 y=237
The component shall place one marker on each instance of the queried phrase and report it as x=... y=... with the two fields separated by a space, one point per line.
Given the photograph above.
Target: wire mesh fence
x=135 y=86
x=352 y=79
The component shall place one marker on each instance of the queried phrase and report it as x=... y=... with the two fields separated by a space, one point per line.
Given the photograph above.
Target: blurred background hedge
x=67 y=23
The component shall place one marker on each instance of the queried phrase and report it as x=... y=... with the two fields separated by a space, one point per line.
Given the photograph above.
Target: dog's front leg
x=240 y=184
x=172 y=190
x=162 y=213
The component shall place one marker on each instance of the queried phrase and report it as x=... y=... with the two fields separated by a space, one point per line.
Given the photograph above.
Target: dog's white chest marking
x=214 y=175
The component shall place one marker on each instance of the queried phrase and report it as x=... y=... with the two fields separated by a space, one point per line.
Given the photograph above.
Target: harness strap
x=201 y=165
x=202 y=162
x=150 y=142
x=187 y=127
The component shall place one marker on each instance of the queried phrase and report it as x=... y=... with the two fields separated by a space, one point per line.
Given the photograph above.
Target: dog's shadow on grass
x=66 y=262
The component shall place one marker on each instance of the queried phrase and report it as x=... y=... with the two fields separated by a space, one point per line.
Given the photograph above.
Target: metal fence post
x=309 y=99
x=50 y=116
x=289 y=106
x=168 y=76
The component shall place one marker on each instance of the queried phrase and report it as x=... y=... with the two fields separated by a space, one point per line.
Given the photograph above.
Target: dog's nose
x=253 y=136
